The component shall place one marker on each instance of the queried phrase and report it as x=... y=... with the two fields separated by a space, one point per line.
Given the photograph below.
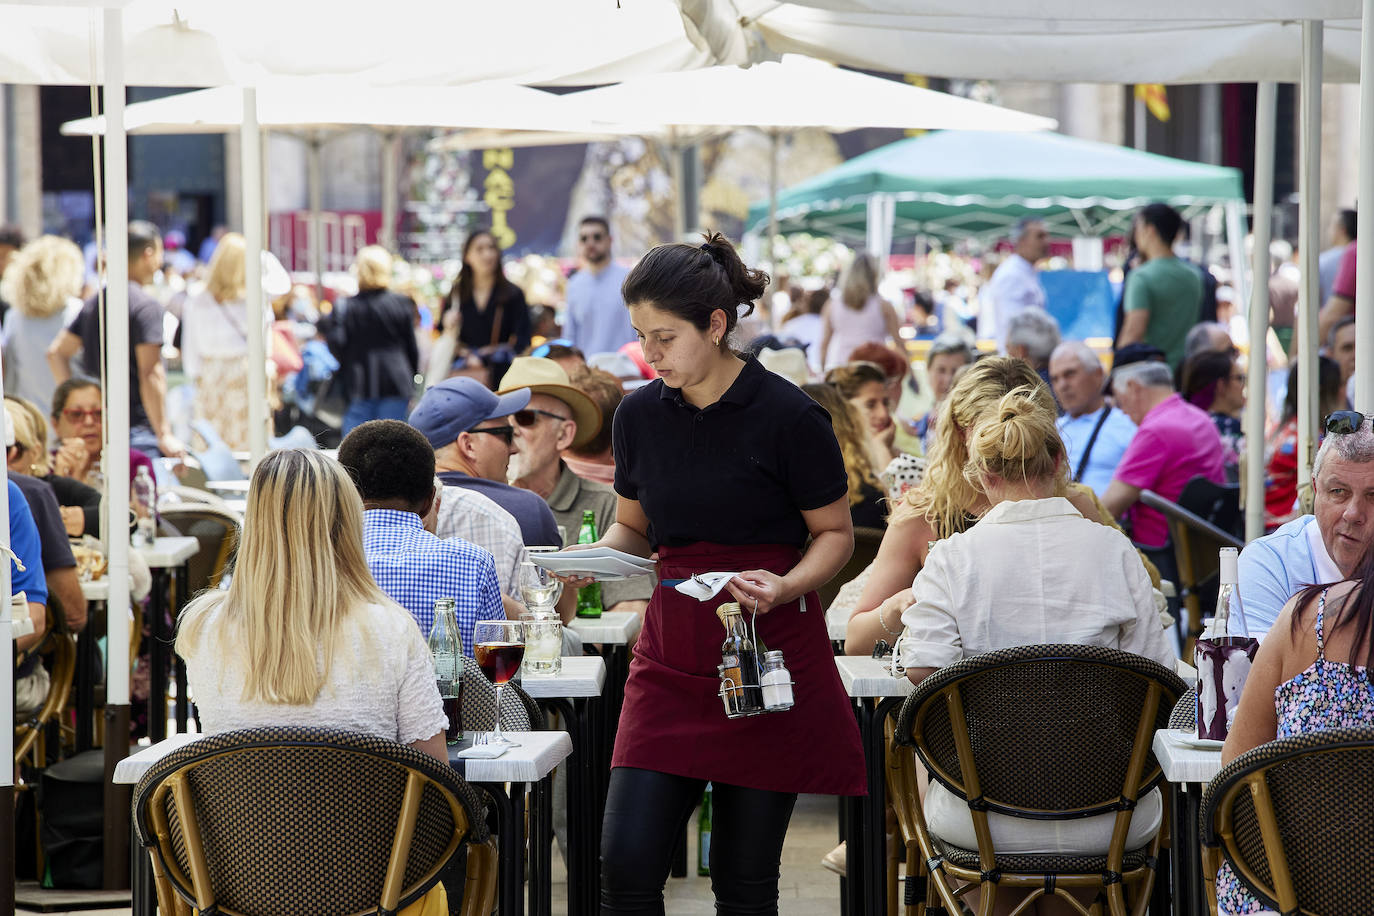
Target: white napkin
x=704 y=586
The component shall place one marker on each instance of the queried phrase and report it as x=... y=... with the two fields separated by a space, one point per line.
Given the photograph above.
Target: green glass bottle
x=589 y=597
x=704 y=834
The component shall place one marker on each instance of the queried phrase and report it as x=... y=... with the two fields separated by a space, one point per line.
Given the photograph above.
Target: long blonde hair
x=301 y=573
x=945 y=498
x=1018 y=440
x=44 y=276
x=227 y=281
x=858 y=467
x=30 y=433
x=859 y=282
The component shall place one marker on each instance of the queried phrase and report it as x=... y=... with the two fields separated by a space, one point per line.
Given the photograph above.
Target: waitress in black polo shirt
x=723 y=466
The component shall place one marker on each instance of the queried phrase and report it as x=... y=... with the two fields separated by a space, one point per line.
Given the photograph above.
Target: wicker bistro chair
x=1048 y=733
x=1295 y=818
x=1184 y=716
x=222 y=820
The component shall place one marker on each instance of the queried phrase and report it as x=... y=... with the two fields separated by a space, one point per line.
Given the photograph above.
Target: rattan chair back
x=1052 y=732
x=479 y=704
x=281 y=820
x=1295 y=818
x=1197 y=544
x=58 y=648
x=1184 y=715
x=217 y=531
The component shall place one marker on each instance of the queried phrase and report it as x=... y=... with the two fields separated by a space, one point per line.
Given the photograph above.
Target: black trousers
x=646 y=812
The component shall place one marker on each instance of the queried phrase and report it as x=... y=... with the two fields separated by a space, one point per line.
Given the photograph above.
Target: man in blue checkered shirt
x=393 y=466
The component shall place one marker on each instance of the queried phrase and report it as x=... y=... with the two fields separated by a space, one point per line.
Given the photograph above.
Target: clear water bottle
x=143 y=502
x=446 y=648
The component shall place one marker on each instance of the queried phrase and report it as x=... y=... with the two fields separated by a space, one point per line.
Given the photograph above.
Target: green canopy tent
x=964 y=185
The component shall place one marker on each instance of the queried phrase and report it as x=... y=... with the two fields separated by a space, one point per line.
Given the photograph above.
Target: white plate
x=1190 y=739
x=612 y=553
x=603 y=569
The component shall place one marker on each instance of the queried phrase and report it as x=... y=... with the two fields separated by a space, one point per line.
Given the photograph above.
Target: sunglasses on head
x=505 y=432
x=529 y=416
x=1345 y=422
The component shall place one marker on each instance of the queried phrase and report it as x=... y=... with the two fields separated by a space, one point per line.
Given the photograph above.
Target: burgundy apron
x=673 y=720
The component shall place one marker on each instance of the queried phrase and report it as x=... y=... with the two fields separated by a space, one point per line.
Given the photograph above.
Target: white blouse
x=381 y=681
x=1031 y=572
x=210 y=328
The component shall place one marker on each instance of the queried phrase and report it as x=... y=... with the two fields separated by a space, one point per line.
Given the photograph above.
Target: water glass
x=543 y=646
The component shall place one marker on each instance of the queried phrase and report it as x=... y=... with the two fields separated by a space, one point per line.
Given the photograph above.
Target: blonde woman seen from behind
x=856 y=314
x=43 y=284
x=303 y=635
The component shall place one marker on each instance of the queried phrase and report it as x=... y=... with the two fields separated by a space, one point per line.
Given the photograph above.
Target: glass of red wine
x=499 y=647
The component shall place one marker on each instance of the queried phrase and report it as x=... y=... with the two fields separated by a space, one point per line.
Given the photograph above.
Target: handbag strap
x=1088 y=450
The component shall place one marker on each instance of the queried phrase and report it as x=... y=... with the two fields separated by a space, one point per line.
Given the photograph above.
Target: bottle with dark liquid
x=446 y=648
x=740 y=663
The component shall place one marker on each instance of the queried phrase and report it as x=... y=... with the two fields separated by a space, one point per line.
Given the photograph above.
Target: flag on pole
x=1155 y=97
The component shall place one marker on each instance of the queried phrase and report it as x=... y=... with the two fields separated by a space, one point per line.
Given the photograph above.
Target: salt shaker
x=776 y=682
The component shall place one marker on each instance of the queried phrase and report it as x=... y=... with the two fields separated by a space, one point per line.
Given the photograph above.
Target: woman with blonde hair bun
x=43 y=282
x=947 y=501
x=1032 y=571
x=303 y=635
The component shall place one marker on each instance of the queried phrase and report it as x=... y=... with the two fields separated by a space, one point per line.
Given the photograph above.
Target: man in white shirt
x=1323 y=547
x=1095 y=434
x=1015 y=284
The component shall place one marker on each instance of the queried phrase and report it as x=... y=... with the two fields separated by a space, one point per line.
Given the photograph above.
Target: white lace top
x=381 y=681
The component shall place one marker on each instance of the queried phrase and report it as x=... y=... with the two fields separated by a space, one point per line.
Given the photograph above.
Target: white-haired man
x=1015 y=284
x=1323 y=547
x=1173 y=443
x=1095 y=433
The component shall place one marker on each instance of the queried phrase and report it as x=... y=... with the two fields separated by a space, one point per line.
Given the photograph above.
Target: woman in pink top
x=856 y=315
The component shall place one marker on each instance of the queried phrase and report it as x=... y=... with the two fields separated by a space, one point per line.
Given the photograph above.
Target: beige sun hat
x=544 y=376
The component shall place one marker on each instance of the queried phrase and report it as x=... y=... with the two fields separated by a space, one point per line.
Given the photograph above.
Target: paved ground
x=806 y=888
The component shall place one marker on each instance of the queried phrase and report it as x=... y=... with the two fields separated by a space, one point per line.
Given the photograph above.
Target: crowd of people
x=711 y=436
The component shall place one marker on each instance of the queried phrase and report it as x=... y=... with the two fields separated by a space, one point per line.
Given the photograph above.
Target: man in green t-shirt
x=1164 y=294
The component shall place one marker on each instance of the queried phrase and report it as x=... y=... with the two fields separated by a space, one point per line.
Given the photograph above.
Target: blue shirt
x=1276 y=567
x=26 y=545
x=597 y=319
x=1111 y=444
x=538 y=528
x=415 y=569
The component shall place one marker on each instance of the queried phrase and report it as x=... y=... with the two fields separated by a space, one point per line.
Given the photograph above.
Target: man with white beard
x=559 y=417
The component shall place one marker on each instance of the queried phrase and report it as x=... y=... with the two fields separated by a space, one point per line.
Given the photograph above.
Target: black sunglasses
x=506 y=432
x=1345 y=422
x=530 y=416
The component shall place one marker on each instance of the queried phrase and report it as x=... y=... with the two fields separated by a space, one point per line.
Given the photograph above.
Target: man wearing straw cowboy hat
x=560 y=417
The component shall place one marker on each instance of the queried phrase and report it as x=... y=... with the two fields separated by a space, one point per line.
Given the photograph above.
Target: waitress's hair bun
x=693 y=281
x=1017 y=440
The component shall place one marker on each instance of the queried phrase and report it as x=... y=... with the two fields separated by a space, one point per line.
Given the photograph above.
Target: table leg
x=182 y=578
x=86 y=656
x=584 y=879
x=874 y=837
x=854 y=829
x=1161 y=894
x=1196 y=887
x=143 y=893
x=541 y=842
x=157 y=653
x=510 y=826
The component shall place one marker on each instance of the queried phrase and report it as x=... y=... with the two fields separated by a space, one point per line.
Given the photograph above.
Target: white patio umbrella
x=796 y=92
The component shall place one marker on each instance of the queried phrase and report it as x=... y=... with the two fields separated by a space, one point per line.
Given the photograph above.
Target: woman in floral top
x=1311 y=673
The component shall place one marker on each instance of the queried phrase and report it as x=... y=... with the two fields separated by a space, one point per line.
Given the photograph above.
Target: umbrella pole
x=1259 y=309
x=1309 y=243
x=314 y=182
x=391 y=151
x=116 y=457
x=250 y=165
x=774 y=144
x=1364 y=265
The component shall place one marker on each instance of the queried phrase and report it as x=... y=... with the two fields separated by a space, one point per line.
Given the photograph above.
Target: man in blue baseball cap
x=473 y=440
